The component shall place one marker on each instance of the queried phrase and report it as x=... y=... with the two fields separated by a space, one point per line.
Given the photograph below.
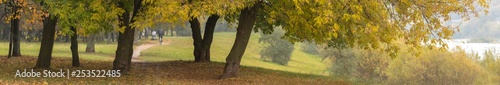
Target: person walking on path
x=161 y=33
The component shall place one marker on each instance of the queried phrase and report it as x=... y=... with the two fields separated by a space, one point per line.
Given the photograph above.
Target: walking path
x=139 y=49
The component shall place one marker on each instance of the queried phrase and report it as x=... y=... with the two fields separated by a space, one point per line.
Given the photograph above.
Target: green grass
x=104 y=52
x=181 y=48
x=164 y=67
x=169 y=72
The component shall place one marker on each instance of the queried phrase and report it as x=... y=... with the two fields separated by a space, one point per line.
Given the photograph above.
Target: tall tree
x=208 y=37
x=366 y=24
x=45 y=54
x=14 y=22
x=90 y=44
x=16 y=50
x=123 y=58
x=246 y=22
x=178 y=11
x=74 y=48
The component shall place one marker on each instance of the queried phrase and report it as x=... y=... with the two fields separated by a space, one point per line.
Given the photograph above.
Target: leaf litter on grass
x=168 y=72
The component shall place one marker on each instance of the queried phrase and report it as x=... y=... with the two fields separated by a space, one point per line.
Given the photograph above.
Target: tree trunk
x=123 y=58
x=68 y=38
x=113 y=36
x=90 y=44
x=74 y=48
x=245 y=25
x=195 y=28
x=16 y=47
x=6 y=33
x=146 y=33
x=45 y=54
x=208 y=37
x=136 y=36
x=140 y=34
x=10 y=48
x=172 y=31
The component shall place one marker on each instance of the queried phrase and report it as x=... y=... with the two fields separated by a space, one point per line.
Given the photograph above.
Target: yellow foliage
x=434 y=67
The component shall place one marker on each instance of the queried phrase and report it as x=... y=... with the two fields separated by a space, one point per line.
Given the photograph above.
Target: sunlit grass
x=181 y=48
x=169 y=72
x=103 y=52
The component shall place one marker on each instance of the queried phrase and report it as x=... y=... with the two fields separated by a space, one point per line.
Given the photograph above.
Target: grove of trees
x=367 y=24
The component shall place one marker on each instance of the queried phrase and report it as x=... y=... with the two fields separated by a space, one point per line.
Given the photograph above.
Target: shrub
x=276 y=49
x=434 y=67
x=183 y=31
x=224 y=26
x=358 y=65
x=309 y=47
x=491 y=64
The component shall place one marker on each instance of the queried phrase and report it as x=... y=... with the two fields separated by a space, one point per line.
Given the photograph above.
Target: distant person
x=153 y=35
x=161 y=32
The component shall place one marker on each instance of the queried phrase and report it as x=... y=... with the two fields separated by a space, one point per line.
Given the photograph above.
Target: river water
x=473 y=47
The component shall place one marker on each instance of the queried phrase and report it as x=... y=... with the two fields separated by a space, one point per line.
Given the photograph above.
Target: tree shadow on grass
x=167 y=72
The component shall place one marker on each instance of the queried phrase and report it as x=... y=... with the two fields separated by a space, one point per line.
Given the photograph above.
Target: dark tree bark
x=90 y=44
x=246 y=22
x=45 y=54
x=123 y=58
x=207 y=38
x=172 y=31
x=195 y=28
x=113 y=36
x=74 y=48
x=10 y=48
x=146 y=33
x=16 y=44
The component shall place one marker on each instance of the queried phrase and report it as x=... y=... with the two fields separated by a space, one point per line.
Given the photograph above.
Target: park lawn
x=167 y=72
x=171 y=64
x=103 y=52
x=181 y=48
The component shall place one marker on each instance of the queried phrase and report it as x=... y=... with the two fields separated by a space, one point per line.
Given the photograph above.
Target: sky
x=486 y=26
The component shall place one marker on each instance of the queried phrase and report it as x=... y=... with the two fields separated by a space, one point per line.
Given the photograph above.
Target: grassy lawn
x=171 y=64
x=103 y=52
x=181 y=48
x=169 y=72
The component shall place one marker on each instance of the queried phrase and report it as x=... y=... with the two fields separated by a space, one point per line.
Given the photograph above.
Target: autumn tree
x=77 y=17
x=16 y=8
x=123 y=58
x=179 y=11
x=364 y=24
x=45 y=54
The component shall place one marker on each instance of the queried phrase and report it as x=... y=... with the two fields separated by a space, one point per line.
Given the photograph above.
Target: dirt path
x=139 y=49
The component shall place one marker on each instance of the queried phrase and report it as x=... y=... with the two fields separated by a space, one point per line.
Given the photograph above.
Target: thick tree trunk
x=245 y=25
x=208 y=37
x=74 y=48
x=195 y=28
x=45 y=54
x=90 y=44
x=123 y=58
x=16 y=44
